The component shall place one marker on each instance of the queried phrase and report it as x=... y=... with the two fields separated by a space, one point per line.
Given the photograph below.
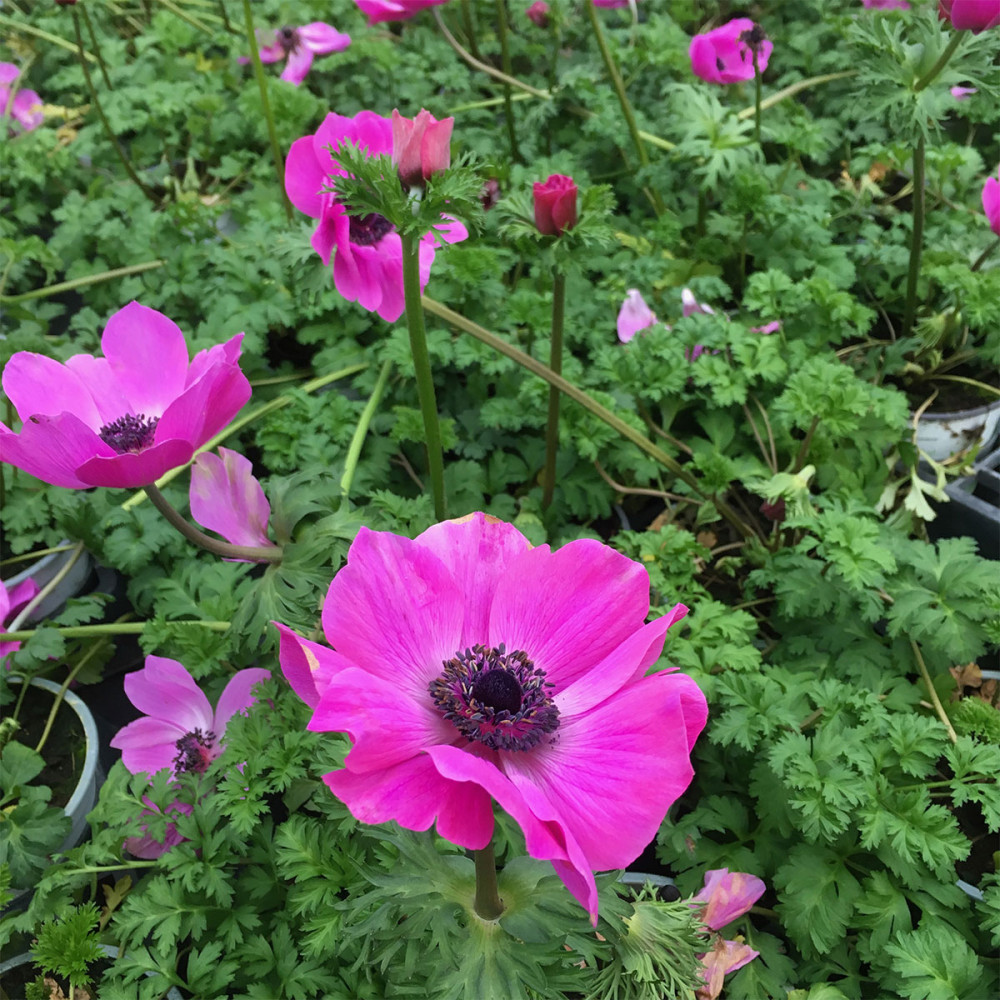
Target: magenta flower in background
x=971 y=15
x=725 y=54
x=227 y=499
x=555 y=205
x=963 y=93
x=179 y=729
x=991 y=202
x=421 y=146
x=467 y=666
x=127 y=418
x=144 y=845
x=23 y=107
x=366 y=250
x=690 y=305
x=12 y=602
x=633 y=316
x=886 y=4
x=394 y=10
x=299 y=46
x=538 y=14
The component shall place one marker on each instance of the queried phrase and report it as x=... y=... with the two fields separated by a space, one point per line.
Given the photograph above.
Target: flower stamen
x=195 y=751
x=367 y=230
x=131 y=433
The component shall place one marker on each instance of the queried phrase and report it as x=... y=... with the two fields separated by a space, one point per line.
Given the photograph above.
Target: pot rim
x=975 y=411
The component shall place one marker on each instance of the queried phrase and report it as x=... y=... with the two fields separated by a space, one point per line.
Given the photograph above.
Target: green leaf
x=934 y=962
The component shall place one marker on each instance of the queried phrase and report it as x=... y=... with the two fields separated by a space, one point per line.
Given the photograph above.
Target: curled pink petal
x=727 y=895
x=725 y=957
x=227 y=499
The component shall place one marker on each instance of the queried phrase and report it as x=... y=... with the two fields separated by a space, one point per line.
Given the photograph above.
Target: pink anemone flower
x=468 y=666
x=144 y=844
x=991 y=202
x=299 y=46
x=634 y=315
x=179 y=729
x=24 y=106
x=127 y=418
x=970 y=15
x=725 y=54
x=394 y=10
x=886 y=4
x=12 y=602
x=367 y=252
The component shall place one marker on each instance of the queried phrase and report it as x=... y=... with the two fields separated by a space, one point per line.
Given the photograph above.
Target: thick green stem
x=129 y=169
x=488 y=904
x=361 y=431
x=949 y=50
x=97 y=47
x=579 y=396
x=555 y=364
x=253 y=553
x=508 y=107
x=619 y=86
x=422 y=371
x=916 y=236
x=90 y=279
x=258 y=69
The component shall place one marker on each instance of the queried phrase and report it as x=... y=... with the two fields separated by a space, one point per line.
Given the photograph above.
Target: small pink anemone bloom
x=634 y=315
x=991 y=202
x=468 y=666
x=886 y=4
x=12 y=602
x=179 y=729
x=24 y=106
x=226 y=498
x=394 y=10
x=725 y=54
x=367 y=252
x=127 y=418
x=299 y=46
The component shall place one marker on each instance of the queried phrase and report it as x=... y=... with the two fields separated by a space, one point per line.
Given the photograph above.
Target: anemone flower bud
x=555 y=205
x=991 y=202
x=538 y=14
x=421 y=146
x=974 y=15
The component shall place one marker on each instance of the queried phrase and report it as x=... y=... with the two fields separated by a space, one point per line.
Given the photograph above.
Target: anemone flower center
x=496 y=698
x=132 y=432
x=367 y=230
x=288 y=39
x=754 y=38
x=195 y=751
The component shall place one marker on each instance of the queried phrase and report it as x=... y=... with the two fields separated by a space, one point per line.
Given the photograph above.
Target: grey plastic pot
x=45 y=570
x=942 y=434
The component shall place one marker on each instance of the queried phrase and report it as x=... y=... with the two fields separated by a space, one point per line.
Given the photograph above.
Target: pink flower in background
x=963 y=93
x=299 y=46
x=611 y=3
x=633 y=316
x=366 y=250
x=12 y=602
x=144 y=845
x=127 y=418
x=538 y=14
x=227 y=499
x=179 y=729
x=394 y=10
x=725 y=54
x=467 y=667
x=971 y=15
x=24 y=106
x=691 y=306
x=725 y=957
x=991 y=202
x=421 y=146
x=555 y=205
x=886 y=4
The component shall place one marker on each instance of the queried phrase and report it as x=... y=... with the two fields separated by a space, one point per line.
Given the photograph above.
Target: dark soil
x=16 y=981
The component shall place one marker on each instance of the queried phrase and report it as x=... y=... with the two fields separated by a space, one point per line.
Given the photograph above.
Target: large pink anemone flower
x=468 y=666
x=367 y=252
x=179 y=729
x=23 y=107
x=299 y=46
x=127 y=418
x=394 y=10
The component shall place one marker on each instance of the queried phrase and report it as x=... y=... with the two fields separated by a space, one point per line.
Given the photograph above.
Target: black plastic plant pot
x=973 y=508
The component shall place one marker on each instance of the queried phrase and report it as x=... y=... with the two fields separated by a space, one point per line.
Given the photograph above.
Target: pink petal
x=165 y=691
x=304 y=177
x=131 y=470
x=991 y=203
x=323 y=38
x=703 y=59
x=8 y=72
x=226 y=498
x=674 y=615
x=148 y=744
x=271 y=53
x=217 y=356
x=204 y=408
x=299 y=62
x=691 y=305
x=103 y=386
x=27 y=109
x=728 y=895
x=725 y=957
x=53 y=449
x=237 y=696
x=633 y=316
x=307 y=666
x=36 y=384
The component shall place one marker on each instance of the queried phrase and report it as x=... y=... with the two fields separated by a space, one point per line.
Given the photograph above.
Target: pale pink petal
x=27 y=109
x=633 y=316
x=226 y=498
x=728 y=895
x=272 y=53
x=165 y=691
x=773 y=327
x=215 y=357
x=8 y=72
x=307 y=666
x=299 y=62
x=36 y=384
x=53 y=449
x=237 y=696
x=323 y=38
x=725 y=957
x=148 y=744
x=691 y=305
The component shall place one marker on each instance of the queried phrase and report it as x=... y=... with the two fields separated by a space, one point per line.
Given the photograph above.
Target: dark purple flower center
x=288 y=39
x=133 y=432
x=194 y=751
x=496 y=698
x=754 y=38
x=367 y=230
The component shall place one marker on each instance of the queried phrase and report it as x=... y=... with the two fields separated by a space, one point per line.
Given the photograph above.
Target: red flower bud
x=974 y=15
x=538 y=14
x=555 y=205
x=421 y=146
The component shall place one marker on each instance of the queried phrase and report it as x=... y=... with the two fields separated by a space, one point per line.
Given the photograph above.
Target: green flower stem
x=508 y=107
x=258 y=69
x=792 y=90
x=97 y=47
x=107 y=629
x=588 y=403
x=488 y=904
x=225 y=14
x=469 y=24
x=949 y=50
x=190 y=18
x=129 y=169
x=974 y=382
x=619 y=85
x=361 y=431
x=756 y=102
x=981 y=259
x=90 y=279
x=422 y=370
x=64 y=571
x=916 y=236
x=247 y=418
x=54 y=39
x=269 y=554
x=35 y=555
x=932 y=692
x=555 y=364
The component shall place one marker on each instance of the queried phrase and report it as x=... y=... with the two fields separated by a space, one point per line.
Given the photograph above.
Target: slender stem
x=54 y=39
x=422 y=371
x=956 y=39
x=190 y=18
x=619 y=86
x=800 y=458
x=50 y=721
x=792 y=90
x=981 y=259
x=361 y=431
x=757 y=89
x=935 y=700
x=225 y=15
x=90 y=279
x=470 y=27
x=488 y=904
x=916 y=236
x=974 y=382
x=588 y=403
x=97 y=47
x=555 y=364
x=258 y=69
x=27 y=610
x=508 y=107
x=115 y=628
x=129 y=169
x=253 y=553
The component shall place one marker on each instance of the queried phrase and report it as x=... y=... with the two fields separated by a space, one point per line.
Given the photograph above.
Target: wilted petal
x=727 y=895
